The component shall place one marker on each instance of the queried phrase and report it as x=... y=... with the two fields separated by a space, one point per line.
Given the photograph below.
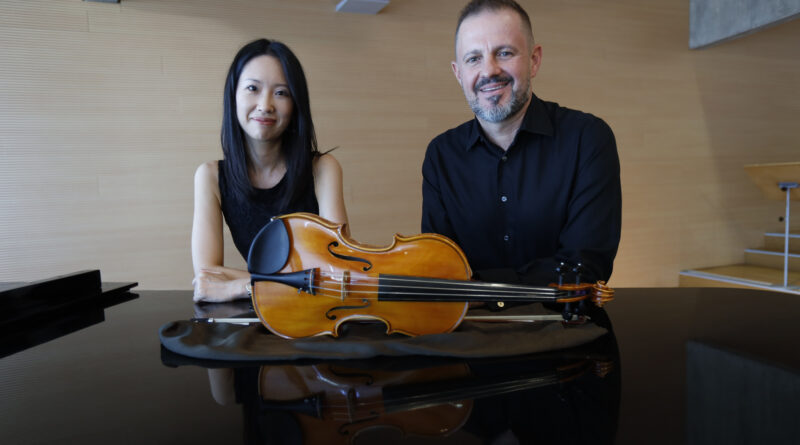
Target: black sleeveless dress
x=245 y=217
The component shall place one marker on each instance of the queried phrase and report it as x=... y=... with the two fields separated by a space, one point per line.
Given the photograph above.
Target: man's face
x=495 y=64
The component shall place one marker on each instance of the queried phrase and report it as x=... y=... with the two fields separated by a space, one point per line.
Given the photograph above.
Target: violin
x=309 y=278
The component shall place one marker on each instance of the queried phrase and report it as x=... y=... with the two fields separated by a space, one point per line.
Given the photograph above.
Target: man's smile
x=492 y=84
x=493 y=87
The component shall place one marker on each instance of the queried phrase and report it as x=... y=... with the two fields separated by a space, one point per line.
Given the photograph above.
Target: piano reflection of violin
x=340 y=403
x=562 y=396
x=335 y=404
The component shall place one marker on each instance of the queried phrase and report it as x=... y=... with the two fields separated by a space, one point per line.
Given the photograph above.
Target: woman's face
x=263 y=101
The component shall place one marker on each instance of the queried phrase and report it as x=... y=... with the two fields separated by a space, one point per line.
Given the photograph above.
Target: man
x=527 y=184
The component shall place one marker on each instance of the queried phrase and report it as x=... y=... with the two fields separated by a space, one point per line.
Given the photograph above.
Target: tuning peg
x=560 y=271
x=577 y=271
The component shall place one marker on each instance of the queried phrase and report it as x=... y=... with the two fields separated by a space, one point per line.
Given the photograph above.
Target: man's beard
x=498 y=113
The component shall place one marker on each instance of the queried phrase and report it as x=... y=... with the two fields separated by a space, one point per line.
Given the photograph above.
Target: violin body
x=345 y=288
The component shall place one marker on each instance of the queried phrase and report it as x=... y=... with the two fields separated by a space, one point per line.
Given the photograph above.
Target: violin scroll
x=601 y=293
x=577 y=295
x=598 y=293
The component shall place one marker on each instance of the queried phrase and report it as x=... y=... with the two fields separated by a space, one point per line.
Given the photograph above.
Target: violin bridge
x=345 y=284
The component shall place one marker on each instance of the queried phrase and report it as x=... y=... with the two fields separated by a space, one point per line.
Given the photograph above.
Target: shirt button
x=504 y=198
x=506 y=238
x=504 y=158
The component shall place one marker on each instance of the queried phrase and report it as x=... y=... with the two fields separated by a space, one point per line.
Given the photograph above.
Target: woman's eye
x=281 y=93
x=251 y=88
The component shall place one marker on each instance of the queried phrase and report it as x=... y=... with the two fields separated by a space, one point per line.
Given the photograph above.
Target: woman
x=271 y=166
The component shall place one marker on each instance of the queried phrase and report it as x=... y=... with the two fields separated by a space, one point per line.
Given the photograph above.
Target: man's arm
x=434 y=214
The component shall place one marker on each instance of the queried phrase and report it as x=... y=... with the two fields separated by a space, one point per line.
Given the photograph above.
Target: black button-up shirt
x=554 y=196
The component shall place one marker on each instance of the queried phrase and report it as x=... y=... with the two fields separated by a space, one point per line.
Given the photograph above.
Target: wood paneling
x=760 y=277
x=107 y=109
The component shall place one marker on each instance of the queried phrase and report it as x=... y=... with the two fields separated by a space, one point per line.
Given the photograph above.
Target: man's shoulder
x=454 y=137
x=579 y=129
x=573 y=119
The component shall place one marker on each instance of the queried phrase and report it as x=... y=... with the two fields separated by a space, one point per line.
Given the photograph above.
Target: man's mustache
x=494 y=79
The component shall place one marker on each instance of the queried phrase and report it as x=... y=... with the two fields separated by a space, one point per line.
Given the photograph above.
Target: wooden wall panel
x=107 y=109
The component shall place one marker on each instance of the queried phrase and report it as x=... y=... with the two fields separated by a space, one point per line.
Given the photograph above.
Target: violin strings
x=439 y=288
x=447 y=286
x=337 y=293
x=366 y=279
x=363 y=286
x=350 y=288
x=444 y=285
x=372 y=294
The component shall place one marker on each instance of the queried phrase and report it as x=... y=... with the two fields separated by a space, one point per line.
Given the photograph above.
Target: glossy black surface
x=21 y=302
x=37 y=312
x=695 y=366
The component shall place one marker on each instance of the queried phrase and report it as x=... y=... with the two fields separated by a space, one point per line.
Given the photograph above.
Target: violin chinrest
x=270 y=249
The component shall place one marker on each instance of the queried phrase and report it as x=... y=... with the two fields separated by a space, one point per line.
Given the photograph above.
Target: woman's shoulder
x=208 y=170
x=325 y=163
x=206 y=177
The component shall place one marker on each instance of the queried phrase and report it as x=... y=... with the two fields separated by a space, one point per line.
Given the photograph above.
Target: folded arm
x=212 y=281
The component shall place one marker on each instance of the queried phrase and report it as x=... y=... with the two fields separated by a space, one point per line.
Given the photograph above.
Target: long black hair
x=298 y=141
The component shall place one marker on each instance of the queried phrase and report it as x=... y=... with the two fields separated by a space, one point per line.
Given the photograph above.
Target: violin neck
x=406 y=288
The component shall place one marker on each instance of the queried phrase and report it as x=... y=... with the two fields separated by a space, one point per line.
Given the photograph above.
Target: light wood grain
x=107 y=109
x=768 y=178
x=759 y=275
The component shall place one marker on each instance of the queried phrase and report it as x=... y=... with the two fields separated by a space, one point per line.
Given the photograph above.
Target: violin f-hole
x=330 y=316
x=348 y=257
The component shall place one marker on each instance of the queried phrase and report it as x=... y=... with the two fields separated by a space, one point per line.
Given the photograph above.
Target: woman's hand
x=216 y=285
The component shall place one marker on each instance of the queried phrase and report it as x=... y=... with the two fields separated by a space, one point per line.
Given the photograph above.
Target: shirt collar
x=536 y=121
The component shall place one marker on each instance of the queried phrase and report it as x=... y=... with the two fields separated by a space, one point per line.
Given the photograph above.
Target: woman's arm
x=212 y=281
x=328 y=188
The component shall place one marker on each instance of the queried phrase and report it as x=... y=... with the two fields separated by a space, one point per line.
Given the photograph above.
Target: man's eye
x=505 y=54
x=472 y=59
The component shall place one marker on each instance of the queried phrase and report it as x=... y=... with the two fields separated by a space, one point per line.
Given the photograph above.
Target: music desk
x=705 y=365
